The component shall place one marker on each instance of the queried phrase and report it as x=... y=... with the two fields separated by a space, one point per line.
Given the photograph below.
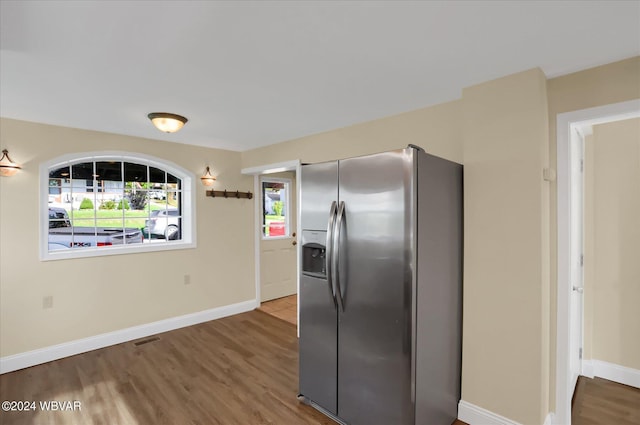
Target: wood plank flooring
x=241 y=369
x=600 y=402
x=285 y=308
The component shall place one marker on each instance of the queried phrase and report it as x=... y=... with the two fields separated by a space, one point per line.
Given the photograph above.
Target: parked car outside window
x=58 y=217
x=164 y=223
x=157 y=194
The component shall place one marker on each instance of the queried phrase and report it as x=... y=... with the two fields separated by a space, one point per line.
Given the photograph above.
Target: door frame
x=565 y=125
x=257 y=172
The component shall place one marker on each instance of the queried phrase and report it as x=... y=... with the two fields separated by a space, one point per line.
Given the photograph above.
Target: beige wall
x=102 y=294
x=498 y=129
x=448 y=130
x=612 y=232
x=505 y=329
x=436 y=129
x=599 y=86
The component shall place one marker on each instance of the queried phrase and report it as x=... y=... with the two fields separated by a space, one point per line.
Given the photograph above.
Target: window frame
x=188 y=213
x=287 y=219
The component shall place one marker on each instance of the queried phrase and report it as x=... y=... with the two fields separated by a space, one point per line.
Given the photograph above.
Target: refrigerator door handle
x=336 y=256
x=329 y=252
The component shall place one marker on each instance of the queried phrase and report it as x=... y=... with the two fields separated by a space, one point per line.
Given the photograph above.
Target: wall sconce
x=169 y=123
x=7 y=167
x=207 y=178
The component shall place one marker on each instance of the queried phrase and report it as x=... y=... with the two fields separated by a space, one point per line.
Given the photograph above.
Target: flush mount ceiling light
x=169 y=123
x=7 y=167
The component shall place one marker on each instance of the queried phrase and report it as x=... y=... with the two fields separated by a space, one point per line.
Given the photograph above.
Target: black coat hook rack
x=229 y=194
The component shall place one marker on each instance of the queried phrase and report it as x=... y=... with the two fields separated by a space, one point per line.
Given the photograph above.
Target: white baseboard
x=549 y=420
x=587 y=369
x=474 y=415
x=59 y=351
x=612 y=372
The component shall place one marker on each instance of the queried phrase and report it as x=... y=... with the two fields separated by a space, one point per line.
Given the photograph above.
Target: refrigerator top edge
x=358 y=156
x=410 y=146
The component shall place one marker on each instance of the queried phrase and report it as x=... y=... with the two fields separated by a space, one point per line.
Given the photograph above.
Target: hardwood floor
x=599 y=401
x=285 y=308
x=241 y=369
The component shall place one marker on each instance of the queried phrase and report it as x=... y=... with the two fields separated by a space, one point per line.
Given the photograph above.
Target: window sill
x=115 y=250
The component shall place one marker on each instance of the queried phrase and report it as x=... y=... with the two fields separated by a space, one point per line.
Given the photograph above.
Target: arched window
x=114 y=203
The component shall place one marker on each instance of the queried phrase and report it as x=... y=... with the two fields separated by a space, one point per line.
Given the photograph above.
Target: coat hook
x=229 y=194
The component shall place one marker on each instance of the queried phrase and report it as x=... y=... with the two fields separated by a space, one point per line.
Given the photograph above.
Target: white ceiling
x=249 y=74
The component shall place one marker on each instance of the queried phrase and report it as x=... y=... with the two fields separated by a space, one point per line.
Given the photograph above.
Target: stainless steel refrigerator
x=381 y=288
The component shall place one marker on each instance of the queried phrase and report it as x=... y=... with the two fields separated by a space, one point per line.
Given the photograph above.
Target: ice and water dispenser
x=314 y=253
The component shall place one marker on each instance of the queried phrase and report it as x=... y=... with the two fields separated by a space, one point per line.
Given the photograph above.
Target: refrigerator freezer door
x=376 y=276
x=318 y=314
x=318 y=189
x=318 y=344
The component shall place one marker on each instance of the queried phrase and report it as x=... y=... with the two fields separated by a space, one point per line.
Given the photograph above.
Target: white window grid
x=183 y=194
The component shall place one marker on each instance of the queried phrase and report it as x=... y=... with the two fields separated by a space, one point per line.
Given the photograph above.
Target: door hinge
x=582 y=165
x=580 y=353
x=581 y=259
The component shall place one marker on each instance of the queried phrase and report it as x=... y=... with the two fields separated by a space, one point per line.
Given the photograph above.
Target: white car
x=157 y=194
x=165 y=223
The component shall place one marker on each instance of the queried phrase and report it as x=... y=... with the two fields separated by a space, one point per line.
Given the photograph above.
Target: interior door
x=278 y=241
x=577 y=266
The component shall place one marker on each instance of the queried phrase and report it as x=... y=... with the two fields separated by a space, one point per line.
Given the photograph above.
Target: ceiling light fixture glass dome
x=167 y=122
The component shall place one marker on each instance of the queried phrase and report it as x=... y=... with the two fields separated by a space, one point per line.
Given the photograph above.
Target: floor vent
x=146 y=341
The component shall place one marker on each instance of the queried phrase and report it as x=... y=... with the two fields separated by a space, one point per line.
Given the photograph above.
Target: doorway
x=569 y=333
x=278 y=236
x=277 y=257
x=285 y=308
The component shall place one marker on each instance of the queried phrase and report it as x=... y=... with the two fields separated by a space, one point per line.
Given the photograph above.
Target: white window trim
x=188 y=240
x=287 y=219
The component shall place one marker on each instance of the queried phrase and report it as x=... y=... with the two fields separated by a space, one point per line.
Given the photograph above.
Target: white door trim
x=293 y=165
x=565 y=122
x=576 y=250
x=275 y=167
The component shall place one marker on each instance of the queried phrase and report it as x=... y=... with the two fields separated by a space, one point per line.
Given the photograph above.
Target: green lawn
x=113 y=218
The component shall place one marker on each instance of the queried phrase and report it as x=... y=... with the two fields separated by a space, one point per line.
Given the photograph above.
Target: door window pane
x=275 y=221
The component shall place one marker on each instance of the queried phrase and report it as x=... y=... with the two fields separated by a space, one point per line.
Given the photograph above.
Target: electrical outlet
x=47 y=302
x=187 y=279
